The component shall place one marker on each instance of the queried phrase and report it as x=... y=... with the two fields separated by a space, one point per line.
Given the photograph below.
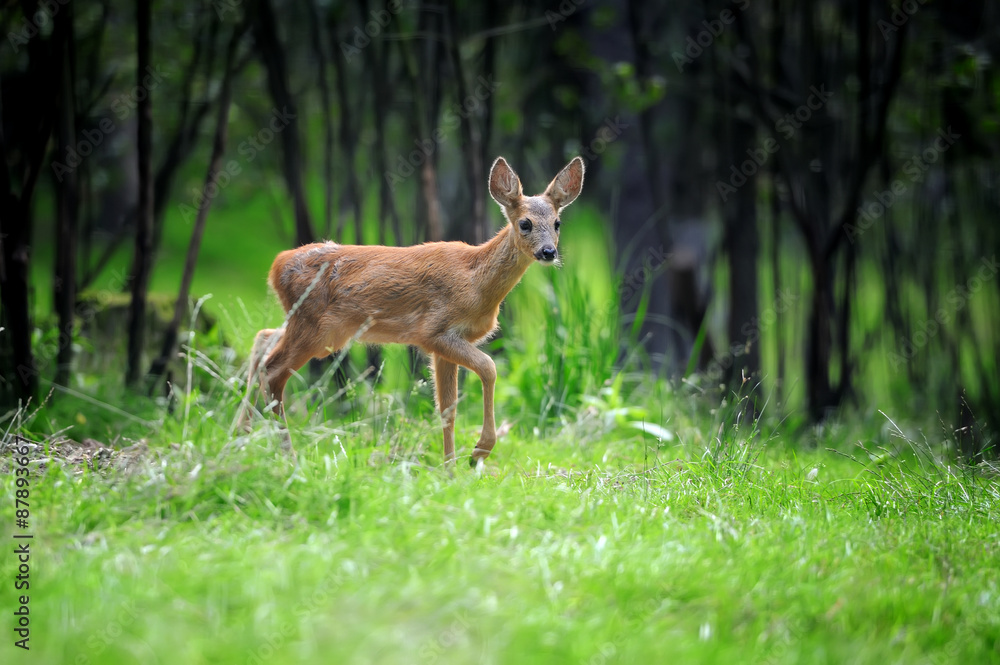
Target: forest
x=774 y=312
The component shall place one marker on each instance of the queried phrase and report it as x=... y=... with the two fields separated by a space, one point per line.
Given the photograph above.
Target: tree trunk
x=27 y=150
x=67 y=192
x=19 y=368
x=470 y=137
x=740 y=241
x=379 y=60
x=272 y=55
x=819 y=343
x=423 y=72
x=142 y=261
x=348 y=142
x=316 y=39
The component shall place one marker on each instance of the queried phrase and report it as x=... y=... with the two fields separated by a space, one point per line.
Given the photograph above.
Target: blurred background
x=795 y=201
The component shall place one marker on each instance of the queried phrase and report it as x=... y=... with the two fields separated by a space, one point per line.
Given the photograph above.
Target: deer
x=441 y=297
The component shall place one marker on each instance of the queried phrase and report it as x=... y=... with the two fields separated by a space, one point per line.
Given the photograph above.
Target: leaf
x=659 y=432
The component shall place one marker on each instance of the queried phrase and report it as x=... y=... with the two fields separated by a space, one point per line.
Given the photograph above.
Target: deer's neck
x=499 y=266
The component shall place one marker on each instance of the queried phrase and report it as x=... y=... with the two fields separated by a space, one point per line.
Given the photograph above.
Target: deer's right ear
x=505 y=186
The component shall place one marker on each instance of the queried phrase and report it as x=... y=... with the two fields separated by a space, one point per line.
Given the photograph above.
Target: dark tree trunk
x=493 y=18
x=348 y=142
x=19 y=368
x=471 y=151
x=272 y=55
x=26 y=151
x=424 y=76
x=169 y=345
x=379 y=60
x=740 y=242
x=740 y=239
x=319 y=50
x=142 y=263
x=67 y=192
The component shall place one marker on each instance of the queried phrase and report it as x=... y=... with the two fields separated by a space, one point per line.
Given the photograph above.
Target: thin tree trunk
x=316 y=38
x=740 y=236
x=142 y=261
x=470 y=137
x=489 y=68
x=740 y=242
x=777 y=41
x=272 y=55
x=348 y=142
x=215 y=163
x=67 y=191
x=424 y=76
x=379 y=59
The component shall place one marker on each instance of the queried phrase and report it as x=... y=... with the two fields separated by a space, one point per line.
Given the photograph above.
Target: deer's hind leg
x=263 y=344
x=446 y=396
x=290 y=353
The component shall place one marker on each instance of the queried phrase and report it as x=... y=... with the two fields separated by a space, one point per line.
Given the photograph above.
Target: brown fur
x=443 y=297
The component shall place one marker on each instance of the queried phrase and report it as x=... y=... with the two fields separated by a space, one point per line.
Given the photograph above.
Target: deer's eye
x=525 y=225
x=558 y=224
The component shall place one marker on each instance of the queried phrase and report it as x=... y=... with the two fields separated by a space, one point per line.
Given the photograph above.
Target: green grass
x=620 y=519
x=585 y=540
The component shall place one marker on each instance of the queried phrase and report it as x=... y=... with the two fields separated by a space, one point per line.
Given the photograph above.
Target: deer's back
x=409 y=292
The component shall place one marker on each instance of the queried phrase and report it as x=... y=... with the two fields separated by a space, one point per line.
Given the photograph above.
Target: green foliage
x=559 y=326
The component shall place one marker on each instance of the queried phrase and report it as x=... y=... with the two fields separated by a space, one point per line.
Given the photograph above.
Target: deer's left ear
x=566 y=186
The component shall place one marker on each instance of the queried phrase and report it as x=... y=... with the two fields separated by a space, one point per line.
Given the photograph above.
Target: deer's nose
x=546 y=253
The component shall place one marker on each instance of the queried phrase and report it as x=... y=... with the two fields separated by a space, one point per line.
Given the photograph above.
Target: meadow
x=622 y=518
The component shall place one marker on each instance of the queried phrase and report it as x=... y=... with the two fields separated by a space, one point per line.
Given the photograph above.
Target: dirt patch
x=66 y=452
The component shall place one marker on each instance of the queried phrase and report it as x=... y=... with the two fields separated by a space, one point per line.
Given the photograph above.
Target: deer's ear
x=566 y=186
x=505 y=186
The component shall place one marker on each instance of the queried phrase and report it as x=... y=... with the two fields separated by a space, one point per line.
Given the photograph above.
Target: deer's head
x=535 y=219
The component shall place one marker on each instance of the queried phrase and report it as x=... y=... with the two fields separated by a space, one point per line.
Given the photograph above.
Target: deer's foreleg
x=463 y=353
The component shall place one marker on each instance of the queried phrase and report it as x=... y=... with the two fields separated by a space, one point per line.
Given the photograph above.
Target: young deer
x=443 y=297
